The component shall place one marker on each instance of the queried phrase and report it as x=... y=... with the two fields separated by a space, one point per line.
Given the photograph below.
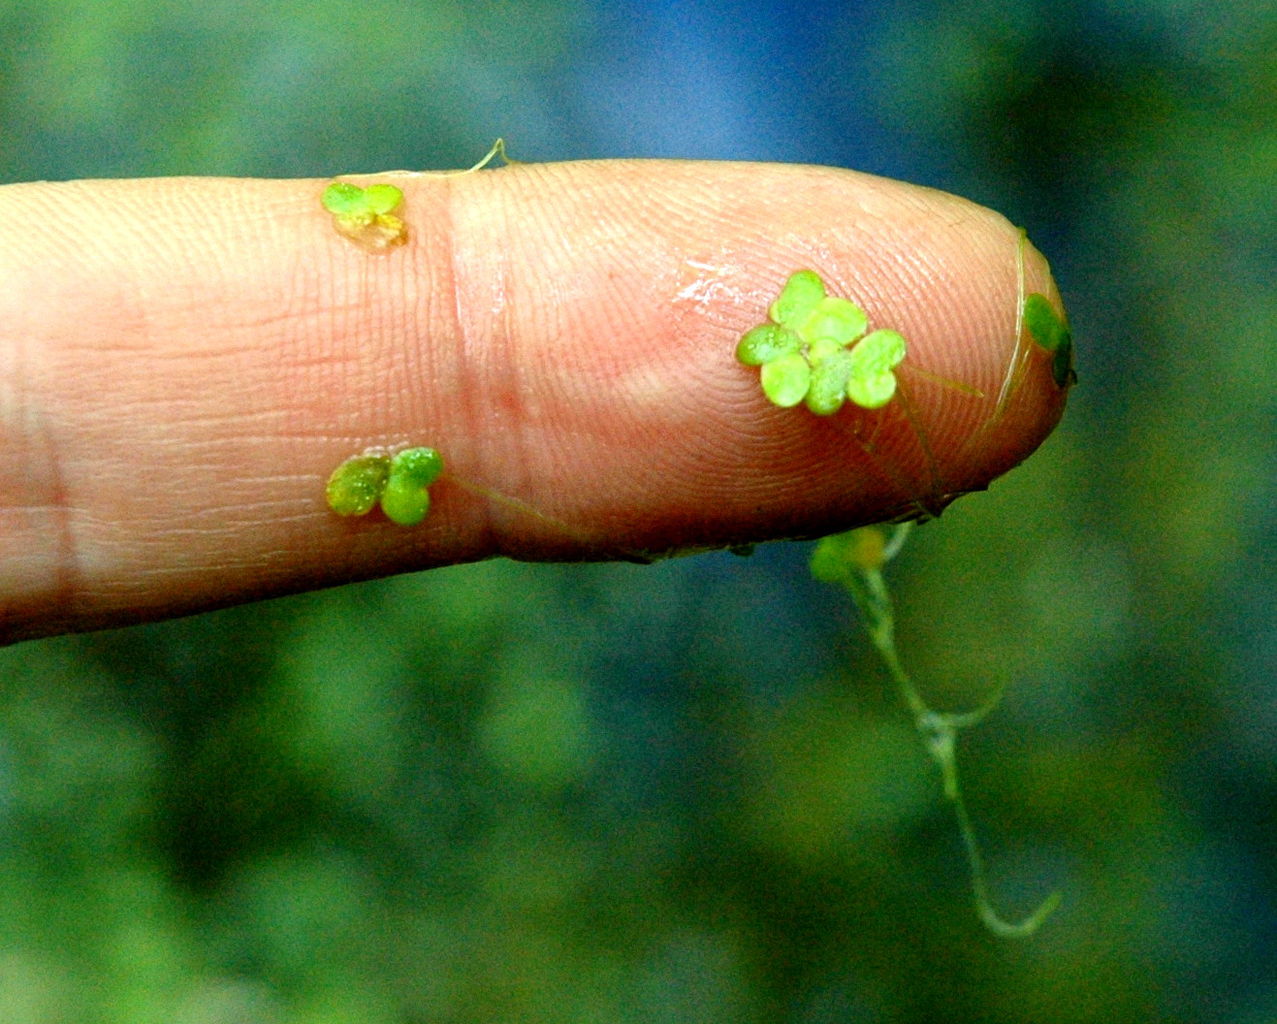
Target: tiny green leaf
x=343 y=198
x=833 y=559
x=765 y=343
x=1049 y=330
x=823 y=348
x=801 y=294
x=421 y=466
x=1062 y=371
x=840 y=556
x=382 y=198
x=834 y=319
x=355 y=485
x=829 y=378
x=785 y=380
x=872 y=384
x=405 y=501
x=1044 y=324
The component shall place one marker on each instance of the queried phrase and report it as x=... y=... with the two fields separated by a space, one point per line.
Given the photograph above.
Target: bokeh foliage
x=685 y=793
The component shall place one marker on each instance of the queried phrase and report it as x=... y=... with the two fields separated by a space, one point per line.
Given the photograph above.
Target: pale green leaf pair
x=398 y=482
x=814 y=349
x=366 y=215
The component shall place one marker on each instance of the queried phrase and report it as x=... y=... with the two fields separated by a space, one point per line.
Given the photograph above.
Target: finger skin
x=184 y=361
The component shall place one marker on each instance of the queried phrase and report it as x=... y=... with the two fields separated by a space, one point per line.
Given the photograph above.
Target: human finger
x=186 y=360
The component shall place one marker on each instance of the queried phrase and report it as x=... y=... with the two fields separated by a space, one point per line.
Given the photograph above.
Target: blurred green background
x=505 y=792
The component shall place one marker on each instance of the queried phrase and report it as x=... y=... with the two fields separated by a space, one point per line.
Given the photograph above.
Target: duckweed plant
x=854 y=561
x=397 y=482
x=366 y=215
x=814 y=350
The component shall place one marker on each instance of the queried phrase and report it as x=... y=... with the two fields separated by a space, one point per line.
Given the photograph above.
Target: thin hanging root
x=961 y=387
x=497 y=150
x=1020 y=354
x=565 y=528
x=940 y=734
x=855 y=561
x=884 y=470
x=398 y=481
x=936 y=482
x=1017 y=364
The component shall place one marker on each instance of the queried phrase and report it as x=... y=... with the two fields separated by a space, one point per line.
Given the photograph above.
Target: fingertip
x=977 y=393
